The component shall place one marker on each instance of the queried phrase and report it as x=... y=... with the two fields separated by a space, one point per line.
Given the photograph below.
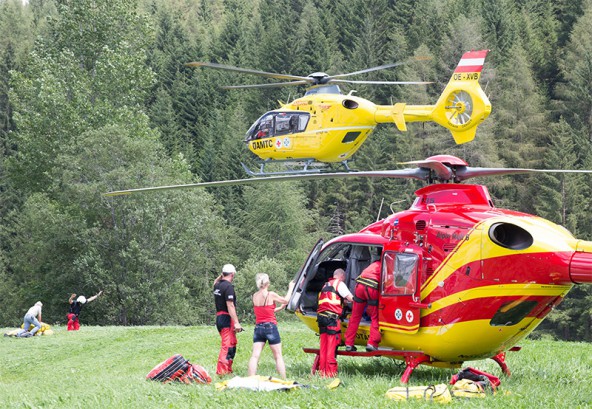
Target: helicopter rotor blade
x=416 y=173
x=381 y=82
x=464 y=173
x=248 y=71
x=380 y=67
x=270 y=85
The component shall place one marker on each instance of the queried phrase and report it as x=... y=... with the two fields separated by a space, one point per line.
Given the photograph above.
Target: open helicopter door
x=301 y=278
x=398 y=309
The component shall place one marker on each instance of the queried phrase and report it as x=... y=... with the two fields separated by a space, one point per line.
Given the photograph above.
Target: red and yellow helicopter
x=325 y=126
x=453 y=265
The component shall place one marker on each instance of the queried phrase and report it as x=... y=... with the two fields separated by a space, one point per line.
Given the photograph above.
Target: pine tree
x=576 y=90
x=559 y=197
x=539 y=32
x=499 y=27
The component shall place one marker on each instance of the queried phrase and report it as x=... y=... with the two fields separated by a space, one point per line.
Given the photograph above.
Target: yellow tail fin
x=462 y=106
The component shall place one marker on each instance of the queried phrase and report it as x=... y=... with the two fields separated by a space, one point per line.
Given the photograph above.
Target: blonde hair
x=261 y=279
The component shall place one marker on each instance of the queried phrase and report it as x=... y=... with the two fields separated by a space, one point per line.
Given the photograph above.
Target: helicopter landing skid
x=500 y=359
x=300 y=167
x=412 y=358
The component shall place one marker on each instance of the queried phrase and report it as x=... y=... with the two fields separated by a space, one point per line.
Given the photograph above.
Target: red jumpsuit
x=224 y=291
x=328 y=318
x=365 y=295
x=73 y=313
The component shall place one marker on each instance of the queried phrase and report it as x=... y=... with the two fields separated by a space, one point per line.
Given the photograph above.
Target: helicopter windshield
x=278 y=124
x=324 y=89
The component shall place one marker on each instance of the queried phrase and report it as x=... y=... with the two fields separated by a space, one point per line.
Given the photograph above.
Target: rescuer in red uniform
x=226 y=318
x=328 y=318
x=366 y=296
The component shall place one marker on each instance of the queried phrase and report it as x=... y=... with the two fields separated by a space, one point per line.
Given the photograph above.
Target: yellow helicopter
x=325 y=126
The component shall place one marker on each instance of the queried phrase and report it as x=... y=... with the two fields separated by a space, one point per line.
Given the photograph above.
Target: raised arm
x=71 y=300
x=217 y=280
x=283 y=301
x=94 y=297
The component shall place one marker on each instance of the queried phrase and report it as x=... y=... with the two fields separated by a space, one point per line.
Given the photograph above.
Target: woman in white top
x=33 y=316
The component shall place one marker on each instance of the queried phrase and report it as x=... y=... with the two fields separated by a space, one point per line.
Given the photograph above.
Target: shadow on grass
x=382 y=367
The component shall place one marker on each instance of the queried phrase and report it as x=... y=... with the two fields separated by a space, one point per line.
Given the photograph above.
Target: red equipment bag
x=196 y=373
x=177 y=368
x=169 y=370
x=483 y=378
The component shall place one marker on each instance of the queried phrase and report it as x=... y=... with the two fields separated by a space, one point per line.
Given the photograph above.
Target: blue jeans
x=267 y=331
x=31 y=319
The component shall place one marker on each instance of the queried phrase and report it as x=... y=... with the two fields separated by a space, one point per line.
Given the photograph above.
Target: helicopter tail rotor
x=462 y=106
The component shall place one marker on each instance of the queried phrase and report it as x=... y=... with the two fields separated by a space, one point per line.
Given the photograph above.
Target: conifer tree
x=576 y=67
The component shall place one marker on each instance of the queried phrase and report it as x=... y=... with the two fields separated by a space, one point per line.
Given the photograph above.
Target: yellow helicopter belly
x=324 y=145
x=458 y=341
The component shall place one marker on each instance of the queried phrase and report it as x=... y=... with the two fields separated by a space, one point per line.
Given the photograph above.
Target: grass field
x=105 y=367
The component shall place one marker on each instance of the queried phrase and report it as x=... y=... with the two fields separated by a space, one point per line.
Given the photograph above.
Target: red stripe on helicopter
x=471 y=61
x=486 y=308
x=510 y=269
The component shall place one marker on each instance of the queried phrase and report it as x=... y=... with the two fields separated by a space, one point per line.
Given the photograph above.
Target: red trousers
x=364 y=293
x=330 y=338
x=227 y=350
x=73 y=323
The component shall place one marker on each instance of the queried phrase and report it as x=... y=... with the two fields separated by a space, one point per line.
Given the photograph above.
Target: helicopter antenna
x=379 y=210
x=394 y=203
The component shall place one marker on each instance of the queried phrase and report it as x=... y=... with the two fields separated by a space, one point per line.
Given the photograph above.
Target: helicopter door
x=300 y=278
x=399 y=292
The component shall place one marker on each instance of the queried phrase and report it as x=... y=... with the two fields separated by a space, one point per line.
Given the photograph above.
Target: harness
x=329 y=299
x=367 y=283
x=328 y=323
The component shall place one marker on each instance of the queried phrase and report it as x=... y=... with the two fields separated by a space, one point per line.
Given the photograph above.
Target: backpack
x=466 y=388
x=486 y=381
x=177 y=368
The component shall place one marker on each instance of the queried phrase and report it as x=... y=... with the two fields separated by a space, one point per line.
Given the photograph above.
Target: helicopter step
x=298 y=167
x=412 y=358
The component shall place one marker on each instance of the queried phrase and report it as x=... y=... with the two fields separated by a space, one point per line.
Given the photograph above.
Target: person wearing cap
x=33 y=316
x=75 y=308
x=226 y=318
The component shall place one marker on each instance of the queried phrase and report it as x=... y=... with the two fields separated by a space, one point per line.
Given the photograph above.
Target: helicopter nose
x=580 y=266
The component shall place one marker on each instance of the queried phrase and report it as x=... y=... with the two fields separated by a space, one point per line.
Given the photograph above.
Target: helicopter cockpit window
x=324 y=89
x=399 y=273
x=278 y=124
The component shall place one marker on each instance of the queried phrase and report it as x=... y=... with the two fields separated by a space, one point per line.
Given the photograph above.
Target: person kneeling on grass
x=75 y=308
x=33 y=316
x=264 y=305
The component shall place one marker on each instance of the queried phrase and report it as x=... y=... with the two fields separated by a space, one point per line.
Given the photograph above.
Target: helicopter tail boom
x=462 y=106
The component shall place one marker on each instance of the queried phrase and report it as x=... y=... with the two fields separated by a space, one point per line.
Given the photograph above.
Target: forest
x=95 y=96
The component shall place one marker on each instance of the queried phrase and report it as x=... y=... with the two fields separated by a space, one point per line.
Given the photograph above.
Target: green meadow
x=105 y=367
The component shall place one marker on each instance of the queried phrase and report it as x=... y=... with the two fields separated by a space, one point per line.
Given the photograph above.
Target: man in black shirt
x=75 y=308
x=226 y=318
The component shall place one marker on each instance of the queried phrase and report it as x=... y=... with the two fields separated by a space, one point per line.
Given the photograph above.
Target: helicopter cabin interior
x=351 y=257
x=278 y=124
